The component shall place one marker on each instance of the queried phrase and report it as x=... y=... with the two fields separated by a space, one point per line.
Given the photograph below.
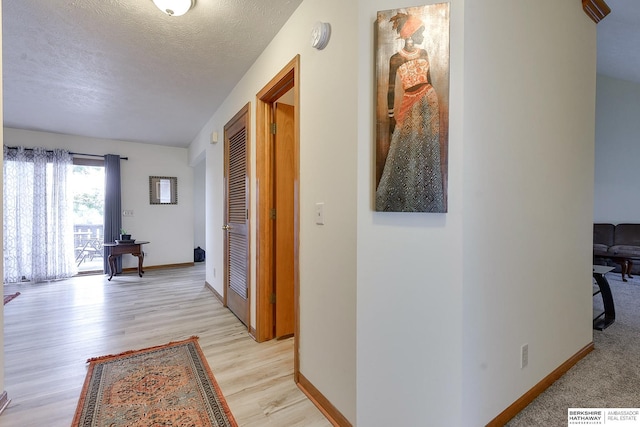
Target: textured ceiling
x=121 y=69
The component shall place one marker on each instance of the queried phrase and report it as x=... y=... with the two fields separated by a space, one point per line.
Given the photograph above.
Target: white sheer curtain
x=38 y=223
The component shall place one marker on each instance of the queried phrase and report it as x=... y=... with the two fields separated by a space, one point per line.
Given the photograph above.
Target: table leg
x=607 y=300
x=625 y=266
x=140 y=260
x=112 y=266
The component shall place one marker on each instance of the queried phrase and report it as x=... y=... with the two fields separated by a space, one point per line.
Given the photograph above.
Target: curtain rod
x=72 y=153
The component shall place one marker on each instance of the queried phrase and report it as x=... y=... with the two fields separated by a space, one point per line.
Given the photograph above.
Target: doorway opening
x=88 y=214
x=278 y=234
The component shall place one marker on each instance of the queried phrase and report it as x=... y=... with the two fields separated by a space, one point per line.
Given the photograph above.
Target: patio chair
x=91 y=249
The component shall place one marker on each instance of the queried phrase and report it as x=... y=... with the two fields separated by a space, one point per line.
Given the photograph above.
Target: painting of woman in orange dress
x=412 y=109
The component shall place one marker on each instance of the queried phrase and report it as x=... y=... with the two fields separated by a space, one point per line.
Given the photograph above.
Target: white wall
x=169 y=228
x=409 y=271
x=328 y=155
x=444 y=301
x=199 y=205
x=529 y=106
x=617 y=151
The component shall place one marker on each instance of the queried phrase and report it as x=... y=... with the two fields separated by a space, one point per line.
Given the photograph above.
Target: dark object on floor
x=198 y=254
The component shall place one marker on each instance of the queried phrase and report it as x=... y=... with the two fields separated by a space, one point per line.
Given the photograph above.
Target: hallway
x=51 y=329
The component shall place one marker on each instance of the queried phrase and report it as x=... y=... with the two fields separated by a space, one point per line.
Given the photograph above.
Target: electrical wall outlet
x=320 y=213
x=524 y=356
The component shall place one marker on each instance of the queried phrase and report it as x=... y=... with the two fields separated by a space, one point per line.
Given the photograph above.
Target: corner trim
x=546 y=382
x=322 y=403
x=215 y=293
x=4 y=401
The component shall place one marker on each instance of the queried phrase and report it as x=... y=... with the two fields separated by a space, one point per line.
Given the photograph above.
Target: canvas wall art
x=412 y=109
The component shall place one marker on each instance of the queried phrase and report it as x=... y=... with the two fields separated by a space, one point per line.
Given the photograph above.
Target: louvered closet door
x=236 y=216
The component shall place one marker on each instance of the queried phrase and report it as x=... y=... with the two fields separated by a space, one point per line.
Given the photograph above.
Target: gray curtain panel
x=112 y=207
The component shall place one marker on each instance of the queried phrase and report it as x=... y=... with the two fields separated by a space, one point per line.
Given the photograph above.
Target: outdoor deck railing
x=83 y=232
x=87 y=240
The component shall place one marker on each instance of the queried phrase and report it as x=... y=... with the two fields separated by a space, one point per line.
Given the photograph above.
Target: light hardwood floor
x=51 y=329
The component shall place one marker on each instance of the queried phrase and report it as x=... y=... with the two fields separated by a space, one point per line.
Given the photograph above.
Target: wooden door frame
x=288 y=78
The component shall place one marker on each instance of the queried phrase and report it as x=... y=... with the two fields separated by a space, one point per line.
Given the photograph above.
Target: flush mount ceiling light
x=174 y=7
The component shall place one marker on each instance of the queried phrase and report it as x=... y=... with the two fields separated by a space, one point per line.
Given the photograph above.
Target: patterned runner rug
x=171 y=384
x=8 y=298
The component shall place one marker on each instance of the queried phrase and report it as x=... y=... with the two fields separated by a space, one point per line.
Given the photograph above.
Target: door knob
x=227 y=227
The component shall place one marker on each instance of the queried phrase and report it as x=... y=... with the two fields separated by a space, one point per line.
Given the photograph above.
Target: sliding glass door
x=88 y=214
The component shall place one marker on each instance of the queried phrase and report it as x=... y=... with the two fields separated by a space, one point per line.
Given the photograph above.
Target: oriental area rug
x=8 y=298
x=167 y=385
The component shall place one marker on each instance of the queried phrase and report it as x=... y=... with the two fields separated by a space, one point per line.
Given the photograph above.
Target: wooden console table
x=116 y=249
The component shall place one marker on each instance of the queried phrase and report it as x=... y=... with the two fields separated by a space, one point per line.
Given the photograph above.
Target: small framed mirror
x=163 y=190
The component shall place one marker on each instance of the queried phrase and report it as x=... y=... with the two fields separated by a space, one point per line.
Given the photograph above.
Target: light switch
x=127 y=213
x=320 y=213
